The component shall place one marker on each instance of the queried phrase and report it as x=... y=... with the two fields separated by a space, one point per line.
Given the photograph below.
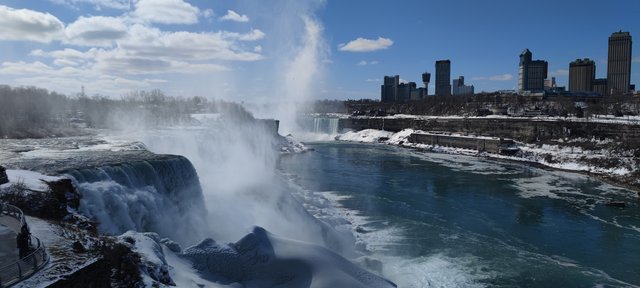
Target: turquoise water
x=440 y=220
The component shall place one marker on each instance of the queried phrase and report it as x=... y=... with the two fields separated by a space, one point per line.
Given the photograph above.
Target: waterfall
x=160 y=195
x=326 y=125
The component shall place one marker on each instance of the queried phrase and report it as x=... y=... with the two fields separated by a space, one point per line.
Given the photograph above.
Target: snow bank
x=32 y=180
x=565 y=157
x=365 y=136
x=153 y=266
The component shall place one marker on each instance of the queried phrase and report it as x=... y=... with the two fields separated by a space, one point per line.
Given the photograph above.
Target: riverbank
x=618 y=170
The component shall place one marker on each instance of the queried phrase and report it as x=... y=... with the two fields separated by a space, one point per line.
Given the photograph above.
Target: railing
x=28 y=265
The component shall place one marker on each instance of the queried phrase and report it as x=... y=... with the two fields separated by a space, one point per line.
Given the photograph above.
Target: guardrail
x=28 y=265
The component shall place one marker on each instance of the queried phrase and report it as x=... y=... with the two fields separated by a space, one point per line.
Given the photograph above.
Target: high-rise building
x=619 y=63
x=582 y=73
x=443 y=78
x=389 y=89
x=531 y=74
x=459 y=89
x=394 y=91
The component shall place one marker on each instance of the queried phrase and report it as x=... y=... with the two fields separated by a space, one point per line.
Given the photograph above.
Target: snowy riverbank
x=591 y=156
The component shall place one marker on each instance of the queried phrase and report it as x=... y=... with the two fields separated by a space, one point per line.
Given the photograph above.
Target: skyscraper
x=619 y=63
x=531 y=74
x=459 y=89
x=443 y=78
x=582 y=73
x=389 y=89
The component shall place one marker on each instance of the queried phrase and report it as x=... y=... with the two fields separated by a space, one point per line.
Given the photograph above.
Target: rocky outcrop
x=3 y=176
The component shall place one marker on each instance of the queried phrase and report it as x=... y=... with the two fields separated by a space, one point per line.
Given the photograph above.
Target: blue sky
x=259 y=50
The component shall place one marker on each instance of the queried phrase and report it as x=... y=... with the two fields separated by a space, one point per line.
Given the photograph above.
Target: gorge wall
x=524 y=130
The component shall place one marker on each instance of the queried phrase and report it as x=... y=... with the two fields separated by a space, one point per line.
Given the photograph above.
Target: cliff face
x=523 y=130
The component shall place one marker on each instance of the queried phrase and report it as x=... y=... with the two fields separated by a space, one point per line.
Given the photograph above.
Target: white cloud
x=24 y=24
x=22 y=68
x=366 y=45
x=364 y=63
x=153 y=43
x=636 y=60
x=233 y=16
x=120 y=50
x=503 y=77
x=208 y=13
x=559 y=72
x=166 y=11
x=253 y=35
x=373 y=80
x=98 y=4
x=96 y=31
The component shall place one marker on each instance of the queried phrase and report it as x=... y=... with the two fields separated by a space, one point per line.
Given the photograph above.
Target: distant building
x=394 y=91
x=619 y=63
x=582 y=73
x=531 y=74
x=389 y=89
x=404 y=91
x=459 y=89
x=426 y=78
x=550 y=84
x=443 y=78
x=600 y=86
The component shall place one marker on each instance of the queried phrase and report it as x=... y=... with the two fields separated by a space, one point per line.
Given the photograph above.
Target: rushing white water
x=161 y=195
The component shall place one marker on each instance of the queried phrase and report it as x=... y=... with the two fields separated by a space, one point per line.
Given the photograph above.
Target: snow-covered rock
x=153 y=265
x=261 y=259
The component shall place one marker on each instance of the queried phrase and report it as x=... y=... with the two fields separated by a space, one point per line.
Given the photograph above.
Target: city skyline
x=237 y=51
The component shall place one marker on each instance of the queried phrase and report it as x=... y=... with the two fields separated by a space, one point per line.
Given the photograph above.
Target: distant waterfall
x=326 y=125
x=161 y=195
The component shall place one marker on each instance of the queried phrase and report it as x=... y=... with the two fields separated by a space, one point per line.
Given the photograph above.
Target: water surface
x=445 y=220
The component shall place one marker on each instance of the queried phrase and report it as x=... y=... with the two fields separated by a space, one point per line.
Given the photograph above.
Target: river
x=437 y=220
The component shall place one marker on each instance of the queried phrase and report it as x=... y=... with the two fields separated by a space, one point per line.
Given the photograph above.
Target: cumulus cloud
x=96 y=31
x=234 y=16
x=166 y=11
x=153 y=43
x=30 y=25
x=373 y=80
x=503 y=77
x=253 y=35
x=366 y=45
x=120 y=50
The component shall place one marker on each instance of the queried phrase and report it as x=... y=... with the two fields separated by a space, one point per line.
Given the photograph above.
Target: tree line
x=31 y=112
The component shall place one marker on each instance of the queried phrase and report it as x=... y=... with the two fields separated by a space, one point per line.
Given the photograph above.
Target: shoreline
x=403 y=142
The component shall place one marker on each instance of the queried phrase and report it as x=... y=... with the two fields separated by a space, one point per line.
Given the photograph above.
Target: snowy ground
x=63 y=259
x=33 y=181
